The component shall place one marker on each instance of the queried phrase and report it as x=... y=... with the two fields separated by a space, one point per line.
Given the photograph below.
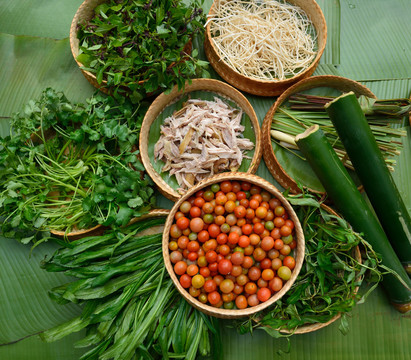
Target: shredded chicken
x=202 y=139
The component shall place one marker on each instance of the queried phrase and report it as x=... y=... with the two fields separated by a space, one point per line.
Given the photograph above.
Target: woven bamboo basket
x=268 y=87
x=326 y=81
x=163 y=100
x=83 y=15
x=299 y=251
x=100 y=229
x=78 y=234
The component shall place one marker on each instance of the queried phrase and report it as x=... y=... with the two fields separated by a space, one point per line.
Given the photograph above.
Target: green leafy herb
x=71 y=166
x=330 y=277
x=141 y=47
x=131 y=307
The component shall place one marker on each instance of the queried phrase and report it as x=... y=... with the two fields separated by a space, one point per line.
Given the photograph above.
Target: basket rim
x=331 y=81
x=164 y=100
x=300 y=249
x=243 y=82
x=98 y=229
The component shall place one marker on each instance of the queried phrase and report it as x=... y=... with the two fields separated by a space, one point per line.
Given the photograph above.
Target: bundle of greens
x=71 y=166
x=329 y=279
x=141 y=47
x=131 y=307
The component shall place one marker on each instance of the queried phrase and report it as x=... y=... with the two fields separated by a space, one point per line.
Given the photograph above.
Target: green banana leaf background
x=368 y=41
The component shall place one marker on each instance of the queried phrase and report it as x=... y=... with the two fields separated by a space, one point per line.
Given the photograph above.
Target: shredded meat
x=202 y=139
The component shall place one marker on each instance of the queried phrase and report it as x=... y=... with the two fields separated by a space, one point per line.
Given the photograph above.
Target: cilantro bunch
x=142 y=46
x=71 y=166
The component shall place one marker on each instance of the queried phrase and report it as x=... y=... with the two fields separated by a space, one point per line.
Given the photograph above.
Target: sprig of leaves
x=140 y=47
x=71 y=166
x=330 y=277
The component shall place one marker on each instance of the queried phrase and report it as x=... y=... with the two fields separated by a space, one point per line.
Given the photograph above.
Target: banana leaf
x=367 y=41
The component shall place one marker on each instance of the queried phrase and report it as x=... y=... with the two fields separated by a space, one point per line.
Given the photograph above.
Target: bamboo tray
x=163 y=101
x=277 y=169
x=299 y=250
x=268 y=87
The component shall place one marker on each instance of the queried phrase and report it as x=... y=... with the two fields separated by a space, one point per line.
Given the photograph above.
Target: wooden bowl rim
x=299 y=235
x=269 y=87
x=163 y=100
x=276 y=169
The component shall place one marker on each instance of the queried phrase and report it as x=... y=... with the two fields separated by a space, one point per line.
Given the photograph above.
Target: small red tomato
x=195 y=211
x=289 y=261
x=185 y=281
x=193 y=246
x=214 y=297
x=183 y=223
x=180 y=267
x=222 y=238
x=276 y=284
x=226 y=186
x=237 y=258
x=241 y=302
x=211 y=256
x=203 y=236
x=196 y=224
x=267 y=243
x=192 y=256
x=210 y=286
x=213 y=230
x=263 y=294
x=225 y=266
x=175 y=231
x=254 y=273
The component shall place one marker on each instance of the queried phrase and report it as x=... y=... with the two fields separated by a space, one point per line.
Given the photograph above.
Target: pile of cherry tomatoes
x=231 y=245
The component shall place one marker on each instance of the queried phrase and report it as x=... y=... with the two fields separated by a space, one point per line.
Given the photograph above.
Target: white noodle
x=269 y=40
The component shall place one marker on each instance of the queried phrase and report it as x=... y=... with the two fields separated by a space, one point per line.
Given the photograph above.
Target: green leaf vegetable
x=131 y=308
x=71 y=166
x=329 y=279
x=140 y=47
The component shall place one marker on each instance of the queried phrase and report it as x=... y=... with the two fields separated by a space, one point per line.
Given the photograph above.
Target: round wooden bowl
x=83 y=15
x=164 y=100
x=299 y=250
x=268 y=87
x=327 y=81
